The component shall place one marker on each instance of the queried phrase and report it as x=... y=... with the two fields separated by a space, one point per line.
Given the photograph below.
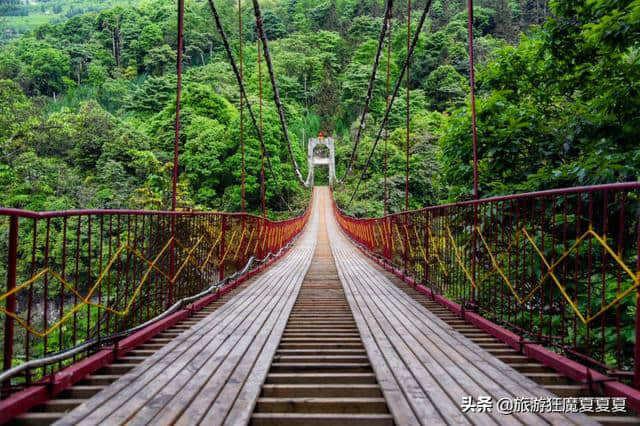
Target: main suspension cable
x=243 y=93
x=386 y=130
x=472 y=94
x=408 y=113
x=385 y=27
x=262 y=184
x=423 y=17
x=176 y=142
x=241 y=60
x=276 y=93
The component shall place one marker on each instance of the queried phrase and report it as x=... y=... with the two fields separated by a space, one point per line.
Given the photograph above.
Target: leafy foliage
x=91 y=98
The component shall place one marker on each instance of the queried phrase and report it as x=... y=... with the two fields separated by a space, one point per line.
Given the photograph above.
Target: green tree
x=159 y=59
x=445 y=87
x=47 y=71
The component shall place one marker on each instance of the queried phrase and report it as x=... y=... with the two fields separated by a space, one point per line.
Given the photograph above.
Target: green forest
x=87 y=100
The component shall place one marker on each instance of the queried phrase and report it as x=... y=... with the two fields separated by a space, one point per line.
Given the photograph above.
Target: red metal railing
x=559 y=267
x=84 y=276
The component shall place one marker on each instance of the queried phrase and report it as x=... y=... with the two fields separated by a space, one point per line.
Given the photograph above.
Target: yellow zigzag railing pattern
x=273 y=235
x=497 y=268
x=86 y=300
x=387 y=240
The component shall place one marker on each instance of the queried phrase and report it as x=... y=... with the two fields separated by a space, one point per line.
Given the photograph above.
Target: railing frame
x=360 y=232
x=147 y=241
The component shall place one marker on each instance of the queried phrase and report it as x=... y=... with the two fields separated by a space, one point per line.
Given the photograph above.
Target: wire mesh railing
x=78 y=276
x=558 y=267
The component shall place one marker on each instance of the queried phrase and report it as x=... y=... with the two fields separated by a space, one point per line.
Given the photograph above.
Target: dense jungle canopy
x=87 y=100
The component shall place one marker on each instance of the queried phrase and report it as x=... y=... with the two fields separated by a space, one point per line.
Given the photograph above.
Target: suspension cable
x=176 y=142
x=276 y=93
x=423 y=17
x=408 y=113
x=472 y=90
x=241 y=63
x=262 y=185
x=243 y=93
x=385 y=27
x=386 y=130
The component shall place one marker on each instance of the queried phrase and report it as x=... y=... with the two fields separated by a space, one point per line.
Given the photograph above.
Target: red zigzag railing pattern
x=77 y=276
x=560 y=267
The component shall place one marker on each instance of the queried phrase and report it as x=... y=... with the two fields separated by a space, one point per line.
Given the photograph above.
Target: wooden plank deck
x=213 y=372
x=424 y=366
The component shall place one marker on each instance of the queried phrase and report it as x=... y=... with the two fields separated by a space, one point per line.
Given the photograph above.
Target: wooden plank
x=496 y=378
x=179 y=392
x=254 y=365
x=473 y=368
x=428 y=347
x=207 y=383
x=161 y=368
x=145 y=391
x=168 y=354
x=103 y=404
x=420 y=354
x=393 y=381
x=247 y=395
x=413 y=381
x=220 y=343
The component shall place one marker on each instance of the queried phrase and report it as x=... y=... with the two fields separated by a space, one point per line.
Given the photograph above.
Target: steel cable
x=243 y=93
x=386 y=25
x=423 y=17
x=276 y=93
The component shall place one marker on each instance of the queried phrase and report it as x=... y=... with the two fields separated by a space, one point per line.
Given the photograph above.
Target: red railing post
x=636 y=352
x=389 y=233
x=223 y=230
x=176 y=142
x=426 y=248
x=476 y=192
x=172 y=262
x=262 y=233
x=12 y=259
x=474 y=254
x=405 y=254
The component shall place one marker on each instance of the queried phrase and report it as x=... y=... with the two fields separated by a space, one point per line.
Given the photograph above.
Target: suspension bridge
x=518 y=309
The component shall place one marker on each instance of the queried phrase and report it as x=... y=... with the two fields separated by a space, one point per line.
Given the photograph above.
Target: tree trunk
x=113 y=46
x=116 y=45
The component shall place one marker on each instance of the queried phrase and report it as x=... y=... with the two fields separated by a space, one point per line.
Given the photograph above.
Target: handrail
x=79 y=277
x=559 y=267
x=619 y=186
x=8 y=211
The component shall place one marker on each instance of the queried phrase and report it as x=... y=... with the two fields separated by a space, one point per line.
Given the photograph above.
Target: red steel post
x=176 y=141
x=636 y=357
x=241 y=71
x=472 y=86
x=176 y=147
x=223 y=230
x=12 y=259
x=408 y=112
x=426 y=249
